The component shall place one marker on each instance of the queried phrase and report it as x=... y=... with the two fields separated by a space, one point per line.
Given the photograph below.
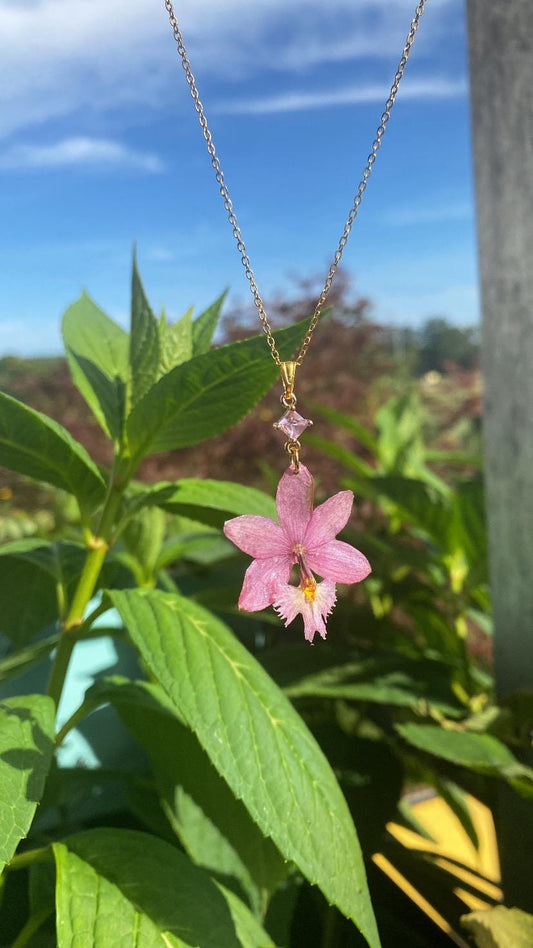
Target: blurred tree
x=439 y=342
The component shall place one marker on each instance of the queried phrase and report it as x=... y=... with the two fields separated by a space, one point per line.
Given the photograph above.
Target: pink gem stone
x=292 y=424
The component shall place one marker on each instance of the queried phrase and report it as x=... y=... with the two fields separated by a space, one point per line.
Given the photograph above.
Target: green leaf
x=354 y=427
x=208 y=394
x=424 y=506
x=205 y=324
x=436 y=629
x=28 y=595
x=19 y=662
x=470 y=525
x=26 y=745
x=214 y=828
x=370 y=774
x=500 y=927
x=143 y=538
x=338 y=452
x=399 y=439
x=384 y=679
x=208 y=501
x=400 y=446
x=38 y=447
x=97 y=353
x=90 y=333
x=203 y=545
x=458 y=804
x=256 y=741
x=36 y=578
x=250 y=934
x=145 y=352
x=175 y=343
x=120 y=887
x=106 y=397
x=479 y=752
x=463 y=458
x=31 y=572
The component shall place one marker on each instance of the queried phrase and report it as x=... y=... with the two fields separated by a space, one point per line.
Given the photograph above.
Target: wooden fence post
x=501 y=73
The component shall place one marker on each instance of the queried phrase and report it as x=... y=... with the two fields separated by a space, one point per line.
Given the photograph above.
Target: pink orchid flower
x=303 y=537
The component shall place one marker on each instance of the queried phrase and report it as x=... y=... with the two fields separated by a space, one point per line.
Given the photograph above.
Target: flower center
x=307 y=580
x=308 y=587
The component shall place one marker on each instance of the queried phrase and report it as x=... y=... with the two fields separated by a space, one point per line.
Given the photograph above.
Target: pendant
x=303 y=540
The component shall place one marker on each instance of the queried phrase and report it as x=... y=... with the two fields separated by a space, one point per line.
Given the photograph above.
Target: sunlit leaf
x=206 y=500
x=145 y=351
x=204 y=326
x=256 y=741
x=120 y=887
x=500 y=927
x=208 y=394
x=480 y=752
x=26 y=745
x=38 y=447
x=97 y=352
x=215 y=828
x=175 y=343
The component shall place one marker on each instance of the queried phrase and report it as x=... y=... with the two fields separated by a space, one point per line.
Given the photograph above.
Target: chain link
x=354 y=210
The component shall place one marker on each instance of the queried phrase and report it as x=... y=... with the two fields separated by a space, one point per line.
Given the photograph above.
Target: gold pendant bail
x=288 y=374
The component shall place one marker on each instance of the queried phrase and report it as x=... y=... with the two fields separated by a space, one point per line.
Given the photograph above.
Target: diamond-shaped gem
x=292 y=424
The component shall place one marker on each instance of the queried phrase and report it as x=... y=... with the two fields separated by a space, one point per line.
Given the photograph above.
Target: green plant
x=229 y=817
x=234 y=795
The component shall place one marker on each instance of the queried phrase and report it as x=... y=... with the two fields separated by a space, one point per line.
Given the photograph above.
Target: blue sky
x=100 y=146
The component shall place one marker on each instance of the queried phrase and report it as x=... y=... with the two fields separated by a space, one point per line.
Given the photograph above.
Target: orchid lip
x=309 y=587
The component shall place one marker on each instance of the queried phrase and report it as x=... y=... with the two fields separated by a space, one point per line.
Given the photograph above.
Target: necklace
x=303 y=538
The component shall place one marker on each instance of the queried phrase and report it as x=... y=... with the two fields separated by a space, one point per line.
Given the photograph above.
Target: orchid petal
x=338 y=562
x=261 y=580
x=329 y=519
x=257 y=536
x=288 y=602
x=324 y=601
x=291 y=600
x=294 y=501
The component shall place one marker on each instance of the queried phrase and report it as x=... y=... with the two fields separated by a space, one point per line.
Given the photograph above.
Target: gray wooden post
x=501 y=73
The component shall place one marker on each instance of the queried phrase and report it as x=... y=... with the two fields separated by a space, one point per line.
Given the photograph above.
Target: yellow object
x=451 y=842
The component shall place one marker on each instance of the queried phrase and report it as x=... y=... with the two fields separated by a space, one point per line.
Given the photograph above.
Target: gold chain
x=361 y=188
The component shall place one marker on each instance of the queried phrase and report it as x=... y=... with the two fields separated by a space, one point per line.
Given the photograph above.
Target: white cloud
x=93 y=57
x=431 y=88
x=98 y=153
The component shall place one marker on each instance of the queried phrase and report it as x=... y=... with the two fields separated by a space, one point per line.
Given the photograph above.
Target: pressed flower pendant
x=303 y=538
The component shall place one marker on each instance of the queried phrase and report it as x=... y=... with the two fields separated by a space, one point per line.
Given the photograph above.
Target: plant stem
x=98 y=547
x=86 y=583
x=60 y=667
x=84 y=630
x=22 y=860
x=32 y=925
x=72 y=721
x=329 y=931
